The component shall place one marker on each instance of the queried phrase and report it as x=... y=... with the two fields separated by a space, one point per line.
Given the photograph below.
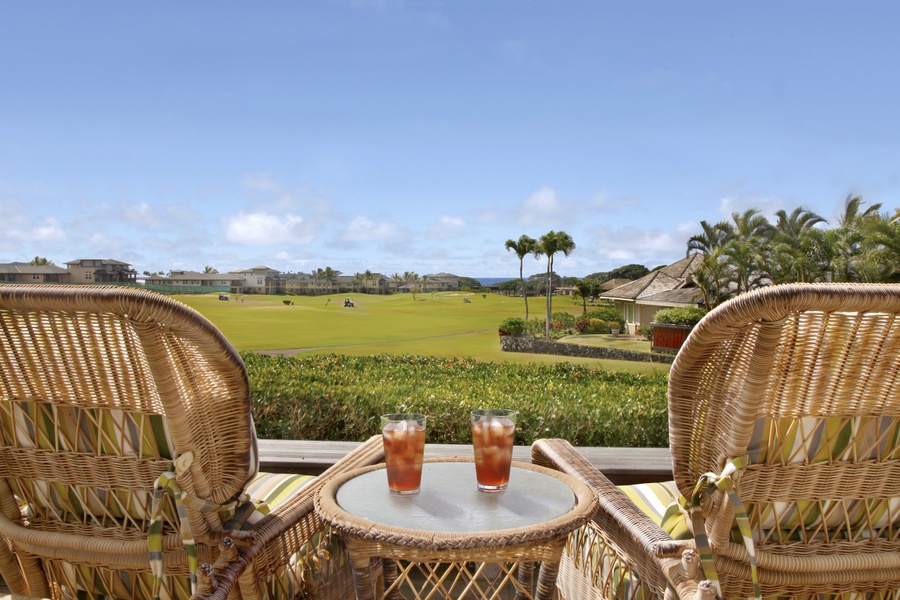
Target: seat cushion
x=662 y=502
x=316 y=561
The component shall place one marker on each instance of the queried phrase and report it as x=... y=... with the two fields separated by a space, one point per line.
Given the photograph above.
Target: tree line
x=749 y=251
x=746 y=252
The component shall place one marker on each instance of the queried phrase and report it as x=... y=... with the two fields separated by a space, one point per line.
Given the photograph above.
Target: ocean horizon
x=489 y=281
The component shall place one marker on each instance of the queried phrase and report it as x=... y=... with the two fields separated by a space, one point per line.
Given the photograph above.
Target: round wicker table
x=449 y=521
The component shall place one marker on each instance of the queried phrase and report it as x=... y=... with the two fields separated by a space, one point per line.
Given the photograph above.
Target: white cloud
x=263 y=229
x=739 y=204
x=47 y=231
x=687 y=229
x=541 y=209
x=19 y=228
x=364 y=229
x=631 y=244
x=447 y=228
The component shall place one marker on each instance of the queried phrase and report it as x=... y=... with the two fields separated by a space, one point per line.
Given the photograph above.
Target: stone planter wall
x=512 y=343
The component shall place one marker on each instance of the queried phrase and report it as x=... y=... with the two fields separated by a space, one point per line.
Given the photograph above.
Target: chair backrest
x=802 y=380
x=101 y=388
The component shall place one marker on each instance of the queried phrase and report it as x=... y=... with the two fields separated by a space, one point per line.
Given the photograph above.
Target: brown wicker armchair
x=103 y=390
x=784 y=408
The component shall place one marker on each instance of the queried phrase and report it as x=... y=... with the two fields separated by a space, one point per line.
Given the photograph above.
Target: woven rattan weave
x=789 y=397
x=102 y=390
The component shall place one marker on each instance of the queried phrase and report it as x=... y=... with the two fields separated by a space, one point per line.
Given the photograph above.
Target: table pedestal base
x=456 y=580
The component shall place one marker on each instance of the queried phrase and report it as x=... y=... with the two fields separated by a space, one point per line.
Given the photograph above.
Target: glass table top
x=449 y=502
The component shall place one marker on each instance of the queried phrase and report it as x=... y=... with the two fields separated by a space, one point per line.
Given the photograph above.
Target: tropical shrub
x=581 y=325
x=513 y=326
x=646 y=332
x=567 y=319
x=595 y=326
x=335 y=397
x=679 y=315
x=606 y=313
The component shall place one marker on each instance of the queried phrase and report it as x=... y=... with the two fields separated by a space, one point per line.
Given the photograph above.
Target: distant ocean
x=489 y=281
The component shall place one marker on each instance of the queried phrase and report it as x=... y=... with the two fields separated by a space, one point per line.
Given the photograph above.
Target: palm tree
x=330 y=275
x=880 y=261
x=366 y=277
x=358 y=279
x=41 y=261
x=795 y=242
x=318 y=275
x=713 y=236
x=851 y=233
x=210 y=270
x=397 y=279
x=549 y=245
x=712 y=277
x=412 y=279
x=747 y=247
x=524 y=246
x=586 y=287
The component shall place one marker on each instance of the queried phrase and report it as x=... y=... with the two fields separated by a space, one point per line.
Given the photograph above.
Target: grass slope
x=439 y=324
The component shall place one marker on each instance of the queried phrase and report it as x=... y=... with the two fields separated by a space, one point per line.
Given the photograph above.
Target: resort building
x=440 y=282
x=192 y=282
x=19 y=272
x=255 y=280
x=100 y=270
x=638 y=300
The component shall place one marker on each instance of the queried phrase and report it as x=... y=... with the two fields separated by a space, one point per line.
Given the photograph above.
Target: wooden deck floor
x=620 y=465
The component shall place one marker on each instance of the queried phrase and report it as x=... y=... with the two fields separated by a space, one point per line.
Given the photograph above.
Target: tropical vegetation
x=749 y=251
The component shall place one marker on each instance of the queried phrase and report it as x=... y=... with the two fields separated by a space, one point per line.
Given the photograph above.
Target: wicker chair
x=784 y=421
x=125 y=424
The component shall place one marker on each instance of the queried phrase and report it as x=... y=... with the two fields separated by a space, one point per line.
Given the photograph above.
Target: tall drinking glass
x=404 y=450
x=493 y=431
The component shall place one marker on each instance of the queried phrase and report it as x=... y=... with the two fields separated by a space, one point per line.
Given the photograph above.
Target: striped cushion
x=660 y=502
x=315 y=562
x=663 y=504
x=812 y=440
x=592 y=559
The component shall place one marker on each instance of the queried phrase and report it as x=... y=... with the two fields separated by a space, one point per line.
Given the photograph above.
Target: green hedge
x=336 y=397
x=679 y=315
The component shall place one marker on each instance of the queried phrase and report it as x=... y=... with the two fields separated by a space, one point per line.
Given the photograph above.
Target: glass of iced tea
x=404 y=449
x=493 y=431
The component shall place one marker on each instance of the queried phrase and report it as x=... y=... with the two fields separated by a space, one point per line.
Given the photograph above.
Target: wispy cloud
x=631 y=244
x=364 y=229
x=447 y=228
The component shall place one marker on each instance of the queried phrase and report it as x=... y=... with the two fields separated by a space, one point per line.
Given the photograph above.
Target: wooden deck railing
x=620 y=465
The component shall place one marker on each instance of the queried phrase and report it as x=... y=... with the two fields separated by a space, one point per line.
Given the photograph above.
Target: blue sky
x=420 y=136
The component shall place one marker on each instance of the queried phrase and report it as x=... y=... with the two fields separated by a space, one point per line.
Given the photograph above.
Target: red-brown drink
x=493 y=432
x=404 y=449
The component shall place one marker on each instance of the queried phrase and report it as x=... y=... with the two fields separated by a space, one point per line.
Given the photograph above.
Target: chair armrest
x=294 y=514
x=643 y=544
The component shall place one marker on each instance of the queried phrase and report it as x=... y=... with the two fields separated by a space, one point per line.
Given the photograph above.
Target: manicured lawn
x=439 y=324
